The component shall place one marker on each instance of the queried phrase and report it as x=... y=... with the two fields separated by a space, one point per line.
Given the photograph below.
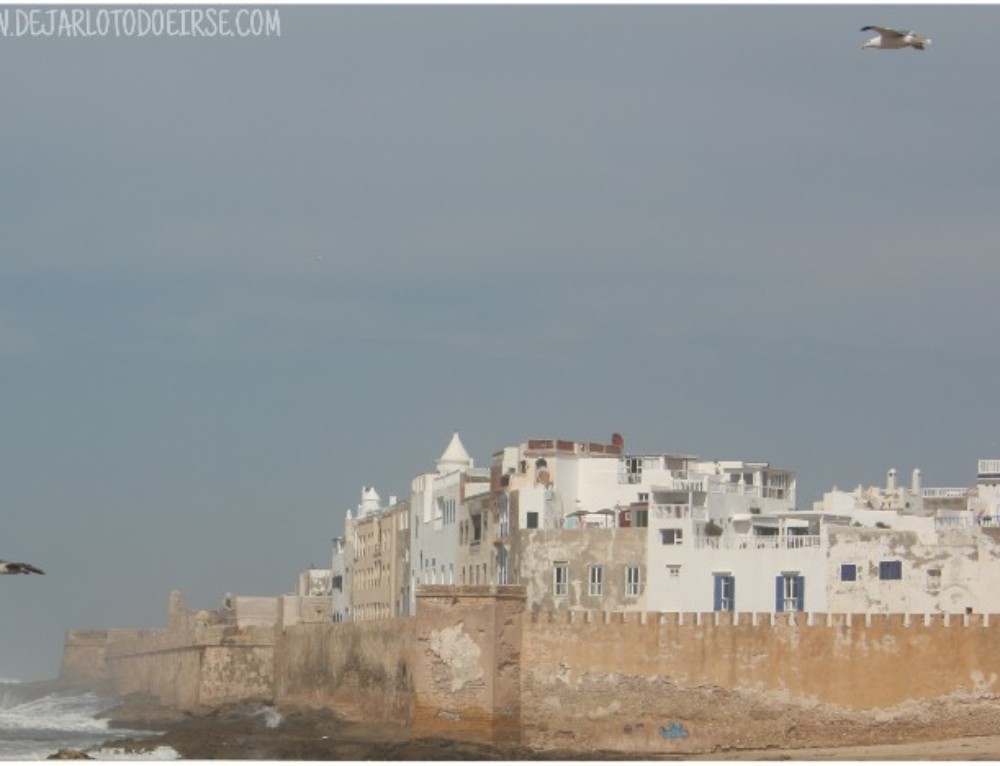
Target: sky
x=242 y=278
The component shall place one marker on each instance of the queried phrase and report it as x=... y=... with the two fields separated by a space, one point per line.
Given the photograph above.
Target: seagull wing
x=18 y=567
x=885 y=31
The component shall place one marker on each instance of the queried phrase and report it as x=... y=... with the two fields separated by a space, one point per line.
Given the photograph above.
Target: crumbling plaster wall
x=613 y=548
x=467 y=664
x=959 y=572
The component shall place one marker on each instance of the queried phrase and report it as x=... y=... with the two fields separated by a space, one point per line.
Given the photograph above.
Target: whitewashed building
x=340 y=594
x=917 y=550
x=434 y=513
x=585 y=525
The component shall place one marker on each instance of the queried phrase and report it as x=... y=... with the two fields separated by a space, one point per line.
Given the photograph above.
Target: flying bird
x=894 y=38
x=16 y=567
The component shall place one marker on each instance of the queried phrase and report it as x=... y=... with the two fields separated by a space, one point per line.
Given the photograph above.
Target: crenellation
x=696 y=622
x=895 y=621
x=492 y=667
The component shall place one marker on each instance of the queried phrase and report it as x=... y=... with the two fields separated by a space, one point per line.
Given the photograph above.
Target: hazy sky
x=241 y=278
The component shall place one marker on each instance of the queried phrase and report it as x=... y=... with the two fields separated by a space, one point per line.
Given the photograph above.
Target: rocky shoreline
x=260 y=731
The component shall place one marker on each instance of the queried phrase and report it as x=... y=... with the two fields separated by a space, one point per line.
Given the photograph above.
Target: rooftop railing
x=941 y=493
x=758 y=542
x=663 y=511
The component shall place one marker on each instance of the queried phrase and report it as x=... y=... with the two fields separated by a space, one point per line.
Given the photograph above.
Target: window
x=532 y=520
x=502 y=567
x=477 y=528
x=933 y=579
x=890 y=570
x=504 y=513
x=724 y=595
x=633 y=585
x=560 y=578
x=595 y=577
x=848 y=572
x=673 y=571
x=632 y=470
x=790 y=592
x=672 y=536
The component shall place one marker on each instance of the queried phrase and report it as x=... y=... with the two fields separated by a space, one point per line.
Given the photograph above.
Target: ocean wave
x=52 y=713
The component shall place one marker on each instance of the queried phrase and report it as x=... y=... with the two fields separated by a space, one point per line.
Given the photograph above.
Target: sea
x=37 y=721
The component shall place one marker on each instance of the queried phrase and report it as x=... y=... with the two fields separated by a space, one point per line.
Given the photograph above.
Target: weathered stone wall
x=83 y=660
x=186 y=666
x=687 y=682
x=473 y=664
x=467 y=671
x=362 y=669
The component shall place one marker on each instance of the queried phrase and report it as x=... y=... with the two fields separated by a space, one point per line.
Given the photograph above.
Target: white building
x=586 y=525
x=340 y=594
x=434 y=501
x=924 y=550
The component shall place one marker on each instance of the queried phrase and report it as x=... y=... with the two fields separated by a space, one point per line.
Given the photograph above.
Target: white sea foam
x=53 y=712
x=272 y=718
x=33 y=728
x=161 y=753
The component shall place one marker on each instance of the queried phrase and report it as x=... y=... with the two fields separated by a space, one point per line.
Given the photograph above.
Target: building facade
x=586 y=525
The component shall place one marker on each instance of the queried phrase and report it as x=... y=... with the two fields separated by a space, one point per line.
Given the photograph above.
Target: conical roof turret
x=455 y=456
x=370 y=501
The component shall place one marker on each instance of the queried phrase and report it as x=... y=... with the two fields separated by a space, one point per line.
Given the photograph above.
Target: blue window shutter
x=732 y=593
x=717 y=593
x=890 y=570
x=779 y=593
x=800 y=587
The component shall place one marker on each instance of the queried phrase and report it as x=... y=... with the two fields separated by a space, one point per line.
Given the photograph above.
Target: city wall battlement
x=767 y=619
x=474 y=663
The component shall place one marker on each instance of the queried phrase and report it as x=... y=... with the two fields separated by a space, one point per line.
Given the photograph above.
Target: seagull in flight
x=16 y=567
x=894 y=38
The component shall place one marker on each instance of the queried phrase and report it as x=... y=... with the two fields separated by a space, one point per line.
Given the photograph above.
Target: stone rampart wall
x=186 y=666
x=363 y=669
x=83 y=660
x=467 y=669
x=688 y=682
x=474 y=664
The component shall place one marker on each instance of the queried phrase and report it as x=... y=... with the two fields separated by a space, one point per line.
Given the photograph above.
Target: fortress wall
x=686 y=682
x=362 y=669
x=233 y=673
x=171 y=676
x=474 y=664
x=83 y=660
x=467 y=679
x=187 y=665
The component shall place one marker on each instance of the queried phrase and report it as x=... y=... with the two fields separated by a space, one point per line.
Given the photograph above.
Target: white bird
x=894 y=38
x=16 y=567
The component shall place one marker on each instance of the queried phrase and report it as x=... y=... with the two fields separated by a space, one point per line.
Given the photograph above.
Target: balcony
x=665 y=511
x=758 y=542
